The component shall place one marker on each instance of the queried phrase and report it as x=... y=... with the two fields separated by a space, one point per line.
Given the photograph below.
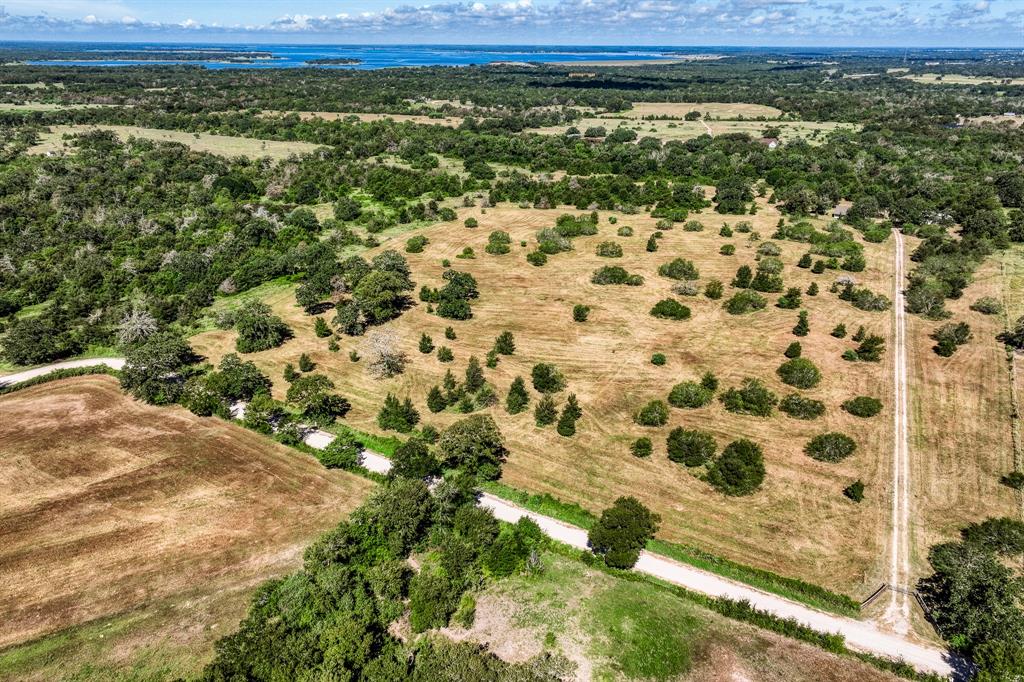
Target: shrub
x=793 y=350
x=727 y=250
x=471 y=222
x=744 y=302
x=685 y=289
x=743 y=277
x=819 y=267
x=449 y=333
x=546 y=378
x=812 y=290
x=654 y=413
x=444 y=354
x=713 y=290
x=426 y=344
x=321 y=328
x=658 y=359
x=839 y=331
x=670 y=309
x=652 y=243
x=855 y=491
x=987 y=305
x=690 y=394
x=609 y=250
x=871 y=348
x=790 y=300
x=752 y=397
x=641 y=447
x=416 y=244
x=1014 y=479
x=766 y=282
x=693 y=226
x=950 y=336
x=505 y=343
x=679 y=268
x=802 y=327
x=613 y=274
x=622 y=531
x=517 y=398
x=864 y=299
x=739 y=470
x=799 y=373
x=725 y=231
x=769 y=249
x=625 y=231
x=863 y=406
x=536 y=258
x=567 y=422
x=436 y=401
x=580 y=312
x=258 y=329
x=691 y=448
x=498 y=243
x=830 y=447
x=805 y=261
x=467 y=253
x=799 y=407
x=306 y=363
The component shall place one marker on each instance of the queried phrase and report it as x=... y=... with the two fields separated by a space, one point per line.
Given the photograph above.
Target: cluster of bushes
x=416 y=244
x=800 y=407
x=474 y=392
x=949 y=337
x=258 y=329
x=752 y=397
x=609 y=250
x=679 y=268
x=498 y=243
x=379 y=291
x=869 y=349
x=546 y=413
x=613 y=274
x=693 y=395
x=863 y=298
x=670 y=309
x=863 y=406
x=452 y=300
x=745 y=302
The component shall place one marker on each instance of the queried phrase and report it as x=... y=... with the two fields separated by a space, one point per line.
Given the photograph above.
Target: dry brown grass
x=665 y=130
x=960 y=418
x=722 y=110
x=799 y=524
x=961 y=79
x=450 y=121
x=109 y=507
x=222 y=145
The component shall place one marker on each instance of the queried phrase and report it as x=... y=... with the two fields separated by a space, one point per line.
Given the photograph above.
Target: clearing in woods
x=961 y=79
x=449 y=121
x=718 y=110
x=136 y=534
x=667 y=130
x=799 y=524
x=222 y=145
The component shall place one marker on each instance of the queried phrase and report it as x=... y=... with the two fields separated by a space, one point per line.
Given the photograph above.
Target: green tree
x=436 y=401
x=426 y=344
x=474 y=375
x=739 y=470
x=153 y=368
x=505 y=344
x=622 y=532
x=517 y=398
x=690 y=447
x=413 y=459
x=258 y=329
x=547 y=378
x=397 y=416
x=545 y=413
x=474 y=445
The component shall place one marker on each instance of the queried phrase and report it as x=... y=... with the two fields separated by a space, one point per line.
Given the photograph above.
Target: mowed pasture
x=961 y=79
x=668 y=130
x=222 y=145
x=799 y=524
x=449 y=121
x=717 y=110
x=137 y=533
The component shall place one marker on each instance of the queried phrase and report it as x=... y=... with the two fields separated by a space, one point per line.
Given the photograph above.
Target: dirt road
x=897 y=614
x=859 y=635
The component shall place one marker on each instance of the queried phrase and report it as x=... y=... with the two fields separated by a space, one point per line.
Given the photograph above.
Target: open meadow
x=221 y=145
x=134 y=535
x=668 y=130
x=799 y=524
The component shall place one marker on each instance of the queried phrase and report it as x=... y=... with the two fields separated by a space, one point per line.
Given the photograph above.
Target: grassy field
x=42 y=106
x=450 y=121
x=718 y=110
x=687 y=130
x=798 y=525
x=133 y=535
x=615 y=629
x=961 y=79
x=960 y=439
x=223 y=145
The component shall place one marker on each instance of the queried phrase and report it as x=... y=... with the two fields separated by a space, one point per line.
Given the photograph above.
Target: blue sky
x=950 y=23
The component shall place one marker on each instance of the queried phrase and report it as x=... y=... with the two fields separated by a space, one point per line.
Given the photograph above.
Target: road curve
x=859 y=635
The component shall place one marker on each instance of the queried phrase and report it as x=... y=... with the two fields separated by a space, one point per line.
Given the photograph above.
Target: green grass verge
x=790 y=588
x=57 y=375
